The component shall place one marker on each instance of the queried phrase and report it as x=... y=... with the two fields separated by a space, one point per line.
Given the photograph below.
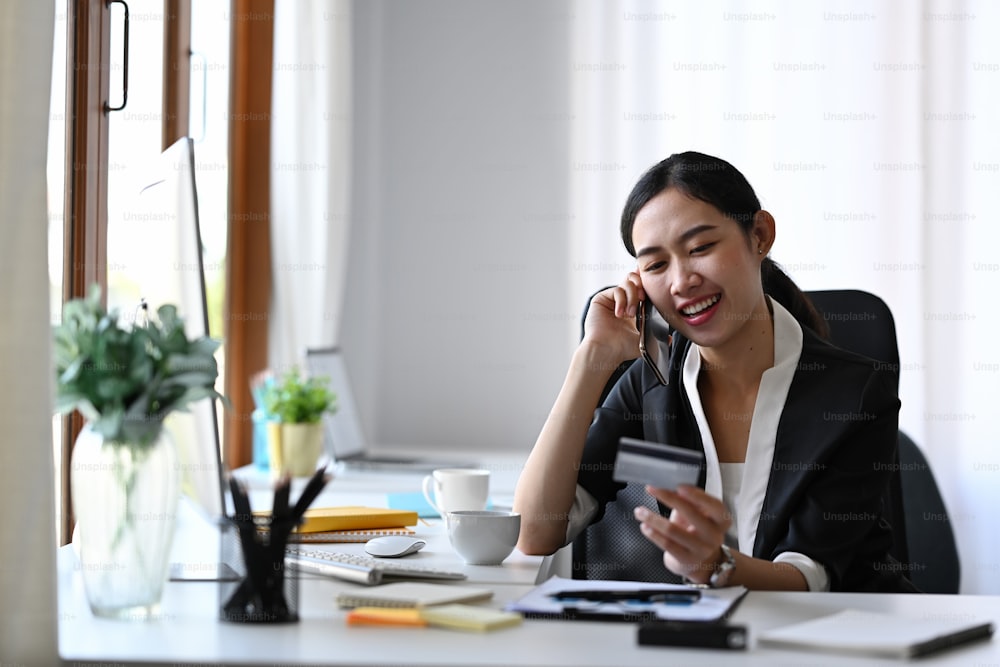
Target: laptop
x=343 y=434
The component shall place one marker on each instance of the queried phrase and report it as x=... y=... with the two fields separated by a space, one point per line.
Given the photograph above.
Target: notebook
x=343 y=435
x=877 y=634
x=469 y=617
x=411 y=594
x=355 y=517
x=452 y=616
x=343 y=536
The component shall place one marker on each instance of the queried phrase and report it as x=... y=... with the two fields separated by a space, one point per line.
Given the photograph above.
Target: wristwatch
x=725 y=570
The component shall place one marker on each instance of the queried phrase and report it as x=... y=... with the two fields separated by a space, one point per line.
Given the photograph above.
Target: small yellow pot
x=294 y=448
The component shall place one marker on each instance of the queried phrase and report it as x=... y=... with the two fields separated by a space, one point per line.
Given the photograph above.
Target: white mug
x=483 y=538
x=450 y=489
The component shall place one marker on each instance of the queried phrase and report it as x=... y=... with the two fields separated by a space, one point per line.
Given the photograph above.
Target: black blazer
x=833 y=458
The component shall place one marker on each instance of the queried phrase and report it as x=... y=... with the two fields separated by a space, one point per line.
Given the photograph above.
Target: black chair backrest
x=860 y=322
x=924 y=542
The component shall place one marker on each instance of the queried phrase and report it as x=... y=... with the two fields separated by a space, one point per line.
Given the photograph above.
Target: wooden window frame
x=176 y=70
x=85 y=226
x=85 y=214
x=248 y=267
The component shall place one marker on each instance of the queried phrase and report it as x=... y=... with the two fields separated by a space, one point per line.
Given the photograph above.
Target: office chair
x=922 y=533
x=924 y=543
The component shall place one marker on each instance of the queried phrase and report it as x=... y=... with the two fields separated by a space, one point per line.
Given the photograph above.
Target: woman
x=798 y=436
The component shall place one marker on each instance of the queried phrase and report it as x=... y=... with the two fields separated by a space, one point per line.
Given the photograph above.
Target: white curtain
x=310 y=174
x=869 y=130
x=27 y=535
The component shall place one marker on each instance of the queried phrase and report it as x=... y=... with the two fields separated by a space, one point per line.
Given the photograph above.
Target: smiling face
x=700 y=269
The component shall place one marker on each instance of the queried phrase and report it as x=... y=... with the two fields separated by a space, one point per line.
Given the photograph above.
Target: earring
x=759 y=251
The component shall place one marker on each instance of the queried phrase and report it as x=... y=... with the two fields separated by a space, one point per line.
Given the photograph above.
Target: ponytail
x=783 y=289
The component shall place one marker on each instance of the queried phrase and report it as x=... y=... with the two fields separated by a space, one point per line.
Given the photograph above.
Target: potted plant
x=126 y=380
x=296 y=405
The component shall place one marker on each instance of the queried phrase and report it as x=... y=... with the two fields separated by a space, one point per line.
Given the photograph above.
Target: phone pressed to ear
x=655 y=338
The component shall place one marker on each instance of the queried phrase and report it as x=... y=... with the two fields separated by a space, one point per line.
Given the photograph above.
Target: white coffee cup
x=483 y=537
x=450 y=489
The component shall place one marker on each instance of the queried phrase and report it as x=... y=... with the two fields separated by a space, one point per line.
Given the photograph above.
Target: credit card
x=656 y=464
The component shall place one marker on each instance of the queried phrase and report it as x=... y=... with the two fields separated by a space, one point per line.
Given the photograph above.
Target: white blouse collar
x=774 y=385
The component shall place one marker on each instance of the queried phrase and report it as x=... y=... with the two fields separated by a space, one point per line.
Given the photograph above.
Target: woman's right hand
x=610 y=322
x=546 y=488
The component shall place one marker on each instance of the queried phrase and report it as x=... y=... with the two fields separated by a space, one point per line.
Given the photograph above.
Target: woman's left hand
x=692 y=536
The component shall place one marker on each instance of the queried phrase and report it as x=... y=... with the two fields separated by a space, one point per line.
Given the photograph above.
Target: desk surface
x=187 y=631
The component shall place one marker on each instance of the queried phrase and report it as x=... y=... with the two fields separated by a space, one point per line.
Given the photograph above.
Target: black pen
x=279 y=509
x=241 y=503
x=639 y=595
x=313 y=487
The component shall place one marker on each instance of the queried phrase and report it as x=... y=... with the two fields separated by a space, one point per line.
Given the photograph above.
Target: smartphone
x=655 y=338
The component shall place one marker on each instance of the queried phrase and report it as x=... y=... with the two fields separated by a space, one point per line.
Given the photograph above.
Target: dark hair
x=716 y=182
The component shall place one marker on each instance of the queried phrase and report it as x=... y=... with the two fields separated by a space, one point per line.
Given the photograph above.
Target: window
x=93 y=153
x=96 y=159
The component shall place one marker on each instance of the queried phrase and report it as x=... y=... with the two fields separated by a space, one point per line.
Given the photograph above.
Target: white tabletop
x=186 y=631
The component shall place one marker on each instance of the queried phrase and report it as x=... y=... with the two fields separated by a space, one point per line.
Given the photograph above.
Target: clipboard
x=554 y=600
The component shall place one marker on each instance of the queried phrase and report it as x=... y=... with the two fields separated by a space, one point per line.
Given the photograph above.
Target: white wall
x=453 y=319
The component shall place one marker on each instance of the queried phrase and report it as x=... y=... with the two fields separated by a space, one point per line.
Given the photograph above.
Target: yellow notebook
x=355 y=517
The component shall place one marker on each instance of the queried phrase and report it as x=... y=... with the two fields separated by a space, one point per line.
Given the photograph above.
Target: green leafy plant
x=296 y=399
x=125 y=380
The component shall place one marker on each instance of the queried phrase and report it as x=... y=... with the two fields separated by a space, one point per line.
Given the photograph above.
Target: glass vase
x=125 y=501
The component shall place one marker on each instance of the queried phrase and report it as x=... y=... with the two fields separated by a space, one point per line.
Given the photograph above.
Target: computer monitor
x=163 y=265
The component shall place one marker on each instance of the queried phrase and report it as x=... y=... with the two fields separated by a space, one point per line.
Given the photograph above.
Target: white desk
x=187 y=630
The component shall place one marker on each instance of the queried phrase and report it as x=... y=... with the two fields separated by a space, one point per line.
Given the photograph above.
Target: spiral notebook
x=411 y=594
x=341 y=536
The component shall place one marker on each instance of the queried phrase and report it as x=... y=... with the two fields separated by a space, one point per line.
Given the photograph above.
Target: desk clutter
x=431 y=632
x=420 y=604
x=275 y=547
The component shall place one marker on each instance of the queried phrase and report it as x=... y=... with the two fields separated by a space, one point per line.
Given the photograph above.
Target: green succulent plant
x=295 y=399
x=125 y=380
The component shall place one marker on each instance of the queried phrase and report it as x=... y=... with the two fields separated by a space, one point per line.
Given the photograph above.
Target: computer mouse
x=393 y=546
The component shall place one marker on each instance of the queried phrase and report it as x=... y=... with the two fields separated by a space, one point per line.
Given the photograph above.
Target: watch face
x=721 y=576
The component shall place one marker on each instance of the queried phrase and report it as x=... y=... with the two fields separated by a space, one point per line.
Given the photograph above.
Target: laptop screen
x=342 y=432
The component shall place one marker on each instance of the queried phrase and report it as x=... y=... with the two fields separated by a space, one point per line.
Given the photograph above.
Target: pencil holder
x=266 y=591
